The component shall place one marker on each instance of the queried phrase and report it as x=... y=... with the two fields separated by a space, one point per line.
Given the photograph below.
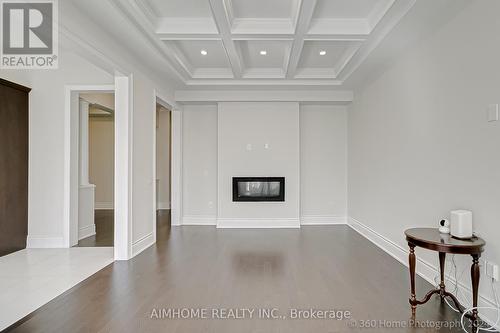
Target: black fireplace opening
x=258 y=189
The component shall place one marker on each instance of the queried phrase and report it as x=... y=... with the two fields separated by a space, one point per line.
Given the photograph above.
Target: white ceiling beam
x=302 y=26
x=186 y=25
x=330 y=96
x=263 y=37
x=262 y=26
x=336 y=37
x=315 y=73
x=184 y=36
x=381 y=8
x=135 y=14
x=180 y=57
x=224 y=27
x=395 y=12
x=149 y=10
x=265 y=82
x=340 y=27
x=258 y=37
x=303 y=22
x=346 y=57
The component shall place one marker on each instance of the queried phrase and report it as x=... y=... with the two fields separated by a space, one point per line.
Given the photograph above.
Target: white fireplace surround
x=239 y=139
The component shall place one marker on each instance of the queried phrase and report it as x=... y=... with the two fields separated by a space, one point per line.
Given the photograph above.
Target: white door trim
x=176 y=168
x=175 y=163
x=123 y=163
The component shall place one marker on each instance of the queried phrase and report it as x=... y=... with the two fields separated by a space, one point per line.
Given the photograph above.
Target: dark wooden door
x=14 y=105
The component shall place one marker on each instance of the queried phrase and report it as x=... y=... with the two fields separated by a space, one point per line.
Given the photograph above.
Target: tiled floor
x=32 y=277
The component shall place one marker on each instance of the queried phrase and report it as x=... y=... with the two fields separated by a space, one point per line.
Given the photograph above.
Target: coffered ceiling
x=264 y=42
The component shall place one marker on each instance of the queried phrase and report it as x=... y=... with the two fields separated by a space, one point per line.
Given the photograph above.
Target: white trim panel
x=86 y=231
x=42 y=242
x=176 y=168
x=199 y=220
x=143 y=243
x=264 y=223
x=322 y=219
x=123 y=167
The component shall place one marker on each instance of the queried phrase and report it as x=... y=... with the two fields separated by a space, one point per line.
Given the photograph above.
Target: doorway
x=96 y=192
x=123 y=121
x=163 y=166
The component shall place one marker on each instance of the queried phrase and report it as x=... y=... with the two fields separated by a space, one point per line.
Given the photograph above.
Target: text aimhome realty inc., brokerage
x=29 y=34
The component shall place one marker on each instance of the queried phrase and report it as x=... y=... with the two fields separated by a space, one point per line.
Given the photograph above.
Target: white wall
x=419 y=143
x=199 y=164
x=163 y=158
x=323 y=162
x=143 y=178
x=258 y=124
x=46 y=141
x=80 y=35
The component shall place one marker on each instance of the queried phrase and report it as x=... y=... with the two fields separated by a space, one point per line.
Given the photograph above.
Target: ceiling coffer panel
x=291 y=40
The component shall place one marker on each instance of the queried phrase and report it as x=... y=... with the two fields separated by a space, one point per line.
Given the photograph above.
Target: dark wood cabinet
x=14 y=104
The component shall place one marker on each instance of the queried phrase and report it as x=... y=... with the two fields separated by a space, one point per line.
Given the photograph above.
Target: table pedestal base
x=473 y=316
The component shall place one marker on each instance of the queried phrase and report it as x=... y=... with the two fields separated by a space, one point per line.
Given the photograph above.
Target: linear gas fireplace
x=258 y=188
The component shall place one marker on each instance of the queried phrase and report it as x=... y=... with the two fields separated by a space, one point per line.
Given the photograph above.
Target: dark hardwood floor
x=104 y=230
x=318 y=267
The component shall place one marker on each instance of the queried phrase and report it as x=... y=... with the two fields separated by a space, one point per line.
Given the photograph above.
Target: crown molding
x=315 y=72
x=327 y=96
x=381 y=9
x=265 y=82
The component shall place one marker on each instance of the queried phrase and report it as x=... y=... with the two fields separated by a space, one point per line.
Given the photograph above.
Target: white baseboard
x=141 y=244
x=163 y=205
x=258 y=223
x=322 y=219
x=104 y=205
x=423 y=268
x=36 y=242
x=86 y=231
x=199 y=220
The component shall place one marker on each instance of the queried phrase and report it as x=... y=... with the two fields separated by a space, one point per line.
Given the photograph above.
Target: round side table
x=432 y=239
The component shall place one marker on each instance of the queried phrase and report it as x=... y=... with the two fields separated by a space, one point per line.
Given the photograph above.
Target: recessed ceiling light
x=263 y=52
x=203 y=52
x=322 y=52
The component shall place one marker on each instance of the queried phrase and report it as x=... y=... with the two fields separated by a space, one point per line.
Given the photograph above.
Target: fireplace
x=258 y=189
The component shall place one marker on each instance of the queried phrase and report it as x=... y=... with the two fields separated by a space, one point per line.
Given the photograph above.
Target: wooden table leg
x=413 y=297
x=474 y=274
x=442 y=260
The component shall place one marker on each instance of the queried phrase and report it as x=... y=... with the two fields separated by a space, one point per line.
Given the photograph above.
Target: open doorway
x=122 y=238
x=96 y=166
x=163 y=167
